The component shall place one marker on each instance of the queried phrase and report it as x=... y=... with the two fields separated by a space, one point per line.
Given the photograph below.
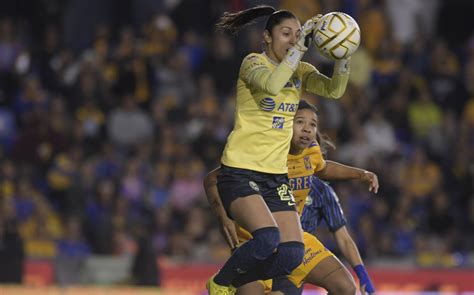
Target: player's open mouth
x=304 y=138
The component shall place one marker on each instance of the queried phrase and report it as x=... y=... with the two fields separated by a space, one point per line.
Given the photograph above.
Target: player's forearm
x=348 y=247
x=270 y=81
x=337 y=171
x=329 y=87
x=351 y=253
x=212 y=194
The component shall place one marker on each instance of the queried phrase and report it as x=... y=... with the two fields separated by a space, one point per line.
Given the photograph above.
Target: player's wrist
x=359 y=269
x=293 y=57
x=342 y=66
x=364 y=278
x=222 y=217
x=362 y=173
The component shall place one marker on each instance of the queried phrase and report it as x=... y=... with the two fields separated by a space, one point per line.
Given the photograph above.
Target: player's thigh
x=314 y=254
x=252 y=288
x=251 y=213
x=331 y=274
x=239 y=190
x=289 y=224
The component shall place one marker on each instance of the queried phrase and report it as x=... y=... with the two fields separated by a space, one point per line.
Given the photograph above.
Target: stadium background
x=112 y=111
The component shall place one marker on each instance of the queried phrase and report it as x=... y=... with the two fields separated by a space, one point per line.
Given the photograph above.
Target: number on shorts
x=286 y=195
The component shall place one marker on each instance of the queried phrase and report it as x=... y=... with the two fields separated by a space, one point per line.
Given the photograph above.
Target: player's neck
x=271 y=58
x=295 y=151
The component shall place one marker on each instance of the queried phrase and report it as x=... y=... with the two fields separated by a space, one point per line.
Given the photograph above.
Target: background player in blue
x=323 y=204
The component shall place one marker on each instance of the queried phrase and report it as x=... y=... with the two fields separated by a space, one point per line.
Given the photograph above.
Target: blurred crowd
x=109 y=121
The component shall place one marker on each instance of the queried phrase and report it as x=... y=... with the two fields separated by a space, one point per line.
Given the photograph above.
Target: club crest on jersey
x=278 y=122
x=308 y=201
x=254 y=186
x=267 y=104
x=307 y=163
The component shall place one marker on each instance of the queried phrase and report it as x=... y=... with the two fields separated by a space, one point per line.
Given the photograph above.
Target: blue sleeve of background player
x=311 y=216
x=331 y=209
x=308 y=218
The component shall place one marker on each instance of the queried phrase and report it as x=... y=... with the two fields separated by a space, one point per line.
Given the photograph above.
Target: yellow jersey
x=267 y=100
x=301 y=168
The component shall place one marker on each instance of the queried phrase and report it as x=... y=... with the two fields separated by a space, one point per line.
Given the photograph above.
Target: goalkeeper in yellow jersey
x=253 y=182
x=320 y=266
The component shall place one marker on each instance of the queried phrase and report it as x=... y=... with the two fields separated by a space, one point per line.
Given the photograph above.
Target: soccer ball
x=336 y=35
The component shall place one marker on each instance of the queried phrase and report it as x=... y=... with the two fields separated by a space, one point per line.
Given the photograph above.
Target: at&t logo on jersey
x=267 y=104
x=288 y=107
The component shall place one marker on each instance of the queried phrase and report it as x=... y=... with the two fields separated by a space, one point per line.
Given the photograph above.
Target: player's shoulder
x=322 y=187
x=253 y=57
x=313 y=149
x=252 y=61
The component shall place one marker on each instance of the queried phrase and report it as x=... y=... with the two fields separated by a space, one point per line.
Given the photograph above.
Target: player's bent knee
x=265 y=241
x=291 y=255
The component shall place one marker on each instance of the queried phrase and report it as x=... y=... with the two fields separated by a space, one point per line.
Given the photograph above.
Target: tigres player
x=253 y=181
x=304 y=162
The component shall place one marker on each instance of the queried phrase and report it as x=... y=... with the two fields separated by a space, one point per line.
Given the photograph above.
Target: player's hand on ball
x=310 y=24
x=304 y=39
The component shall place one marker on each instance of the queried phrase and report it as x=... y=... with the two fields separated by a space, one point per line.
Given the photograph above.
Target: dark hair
x=323 y=140
x=232 y=23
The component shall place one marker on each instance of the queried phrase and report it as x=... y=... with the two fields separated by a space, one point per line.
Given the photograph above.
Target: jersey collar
x=270 y=60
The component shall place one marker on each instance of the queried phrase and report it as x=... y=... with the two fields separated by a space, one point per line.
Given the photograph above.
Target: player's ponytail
x=232 y=23
x=324 y=142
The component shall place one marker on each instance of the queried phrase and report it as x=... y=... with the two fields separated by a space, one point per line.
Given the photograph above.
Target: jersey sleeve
x=255 y=72
x=319 y=84
x=331 y=208
x=317 y=158
x=310 y=217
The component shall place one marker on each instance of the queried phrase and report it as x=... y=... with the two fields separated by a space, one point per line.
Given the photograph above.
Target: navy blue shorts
x=233 y=183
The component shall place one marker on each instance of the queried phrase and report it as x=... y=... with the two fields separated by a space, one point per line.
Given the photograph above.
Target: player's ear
x=267 y=37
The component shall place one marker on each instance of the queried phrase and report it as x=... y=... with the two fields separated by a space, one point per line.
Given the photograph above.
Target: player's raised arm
x=337 y=171
x=320 y=84
x=336 y=36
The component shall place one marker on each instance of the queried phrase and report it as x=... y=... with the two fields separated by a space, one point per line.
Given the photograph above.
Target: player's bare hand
x=371 y=180
x=227 y=228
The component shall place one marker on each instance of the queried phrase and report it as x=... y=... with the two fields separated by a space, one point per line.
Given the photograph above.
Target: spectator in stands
x=128 y=125
x=11 y=247
x=72 y=254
